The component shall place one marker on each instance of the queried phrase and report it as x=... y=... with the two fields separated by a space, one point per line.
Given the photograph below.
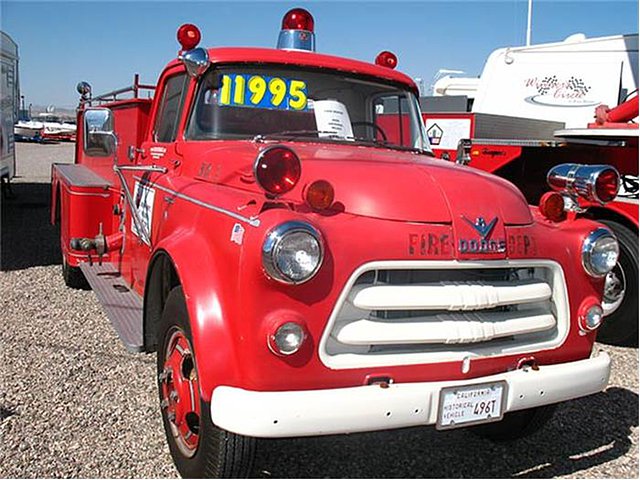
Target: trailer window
x=169 y=110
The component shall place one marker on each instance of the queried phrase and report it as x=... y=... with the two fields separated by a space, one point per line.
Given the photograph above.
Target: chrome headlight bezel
x=589 y=244
x=274 y=240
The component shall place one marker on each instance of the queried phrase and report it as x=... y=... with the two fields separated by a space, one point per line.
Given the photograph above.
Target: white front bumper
x=371 y=407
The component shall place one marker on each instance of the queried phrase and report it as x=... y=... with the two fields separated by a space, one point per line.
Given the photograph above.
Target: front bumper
x=371 y=407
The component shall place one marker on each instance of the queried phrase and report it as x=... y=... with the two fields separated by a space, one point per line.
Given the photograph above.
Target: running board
x=122 y=305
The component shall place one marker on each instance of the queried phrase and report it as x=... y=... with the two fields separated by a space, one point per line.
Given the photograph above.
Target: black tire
x=516 y=425
x=218 y=453
x=73 y=276
x=621 y=326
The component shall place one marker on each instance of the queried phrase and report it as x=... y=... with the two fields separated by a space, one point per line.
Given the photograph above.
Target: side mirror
x=196 y=61
x=99 y=139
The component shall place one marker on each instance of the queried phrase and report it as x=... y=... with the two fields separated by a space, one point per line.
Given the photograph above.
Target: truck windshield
x=277 y=102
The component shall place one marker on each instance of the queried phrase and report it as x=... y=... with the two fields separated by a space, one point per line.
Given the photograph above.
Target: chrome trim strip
x=135 y=168
x=254 y=222
x=84 y=194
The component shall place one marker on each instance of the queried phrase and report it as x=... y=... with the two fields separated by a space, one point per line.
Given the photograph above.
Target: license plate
x=471 y=404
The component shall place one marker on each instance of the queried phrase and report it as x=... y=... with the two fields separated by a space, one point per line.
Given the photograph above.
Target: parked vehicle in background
x=56 y=128
x=274 y=225
x=26 y=129
x=46 y=126
x=534 y=108
x=9 y=104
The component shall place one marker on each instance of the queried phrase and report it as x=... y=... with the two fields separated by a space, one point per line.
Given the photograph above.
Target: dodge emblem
x=484 y=245
x=481 y=226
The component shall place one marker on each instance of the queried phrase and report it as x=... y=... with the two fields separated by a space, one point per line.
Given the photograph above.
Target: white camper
x=560 y=82
x=9 y=103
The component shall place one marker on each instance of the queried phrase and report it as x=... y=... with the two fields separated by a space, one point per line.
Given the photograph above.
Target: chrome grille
x=394 y=313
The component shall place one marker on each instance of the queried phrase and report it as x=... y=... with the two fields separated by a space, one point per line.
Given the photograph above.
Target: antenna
x=529 y=22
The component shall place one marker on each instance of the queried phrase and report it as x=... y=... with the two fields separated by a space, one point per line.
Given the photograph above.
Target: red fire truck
x=273 y=224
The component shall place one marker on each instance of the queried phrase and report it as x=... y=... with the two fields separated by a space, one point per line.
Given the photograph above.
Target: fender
x=207 y=297
x=629 y=211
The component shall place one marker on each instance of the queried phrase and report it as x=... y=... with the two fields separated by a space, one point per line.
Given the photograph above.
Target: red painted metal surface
x=385 y=202
x=617 y=117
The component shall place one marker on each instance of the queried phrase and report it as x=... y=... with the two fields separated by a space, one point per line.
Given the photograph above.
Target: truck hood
x=387 y=184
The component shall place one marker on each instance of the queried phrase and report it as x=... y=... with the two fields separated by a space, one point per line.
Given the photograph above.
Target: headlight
x=599 y=252
x=292 y=252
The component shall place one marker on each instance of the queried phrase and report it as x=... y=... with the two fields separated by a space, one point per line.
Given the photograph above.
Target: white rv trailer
x=9 y=104
x=560 y=82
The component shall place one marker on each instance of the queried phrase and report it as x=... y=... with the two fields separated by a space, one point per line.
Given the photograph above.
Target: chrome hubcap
x=180 y=397
x=614 y=289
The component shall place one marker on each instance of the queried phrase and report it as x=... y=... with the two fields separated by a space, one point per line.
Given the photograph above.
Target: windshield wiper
x=328 y=134
x=296 y=133
x=374 y=141
x=325 y=134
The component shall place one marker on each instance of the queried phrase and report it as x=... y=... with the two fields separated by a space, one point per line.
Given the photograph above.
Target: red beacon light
x=387 y=59
x=277 y=170
x=298 y=19
x=189 y=36
x=297 y=31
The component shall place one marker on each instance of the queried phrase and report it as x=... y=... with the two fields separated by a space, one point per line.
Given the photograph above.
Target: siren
x=593 y=183
x=297 y=31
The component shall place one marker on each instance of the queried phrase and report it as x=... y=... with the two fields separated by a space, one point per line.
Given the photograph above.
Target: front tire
x=199 y=449
x=620 y=326
x=516 y=425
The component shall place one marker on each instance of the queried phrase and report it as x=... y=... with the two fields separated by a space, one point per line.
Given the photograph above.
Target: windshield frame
x=419 y=136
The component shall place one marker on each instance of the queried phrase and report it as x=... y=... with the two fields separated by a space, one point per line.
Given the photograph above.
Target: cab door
x=159 y=149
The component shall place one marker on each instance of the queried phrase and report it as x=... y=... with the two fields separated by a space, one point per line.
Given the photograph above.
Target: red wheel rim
x=180 y=394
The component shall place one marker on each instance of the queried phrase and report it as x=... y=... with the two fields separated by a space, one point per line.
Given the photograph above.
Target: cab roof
x=300 y=58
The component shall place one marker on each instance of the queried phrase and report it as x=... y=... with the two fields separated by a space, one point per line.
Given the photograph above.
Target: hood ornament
x=481 y=226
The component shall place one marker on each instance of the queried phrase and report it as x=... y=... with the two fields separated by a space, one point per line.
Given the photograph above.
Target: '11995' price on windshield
x=260 y=91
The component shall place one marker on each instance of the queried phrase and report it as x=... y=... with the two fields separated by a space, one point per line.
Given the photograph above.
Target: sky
x=105 y=42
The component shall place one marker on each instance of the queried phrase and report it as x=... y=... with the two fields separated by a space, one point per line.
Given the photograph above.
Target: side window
x=170 y=108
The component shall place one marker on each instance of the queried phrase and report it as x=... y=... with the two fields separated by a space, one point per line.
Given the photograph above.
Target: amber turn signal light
x=552 y=207
x=319 y=195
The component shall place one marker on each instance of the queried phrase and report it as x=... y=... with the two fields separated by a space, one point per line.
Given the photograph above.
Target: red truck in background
x=273 y=225
x=511 y=148
x=533 y=108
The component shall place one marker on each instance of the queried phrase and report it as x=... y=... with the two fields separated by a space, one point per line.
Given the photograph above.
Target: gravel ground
x=75 y=403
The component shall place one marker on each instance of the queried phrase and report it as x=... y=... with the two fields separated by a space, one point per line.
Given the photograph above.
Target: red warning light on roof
x=297 y=19
x=188 y=36
x=387 y=59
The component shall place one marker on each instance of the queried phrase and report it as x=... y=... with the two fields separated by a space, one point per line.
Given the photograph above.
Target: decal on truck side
x=143 y=196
